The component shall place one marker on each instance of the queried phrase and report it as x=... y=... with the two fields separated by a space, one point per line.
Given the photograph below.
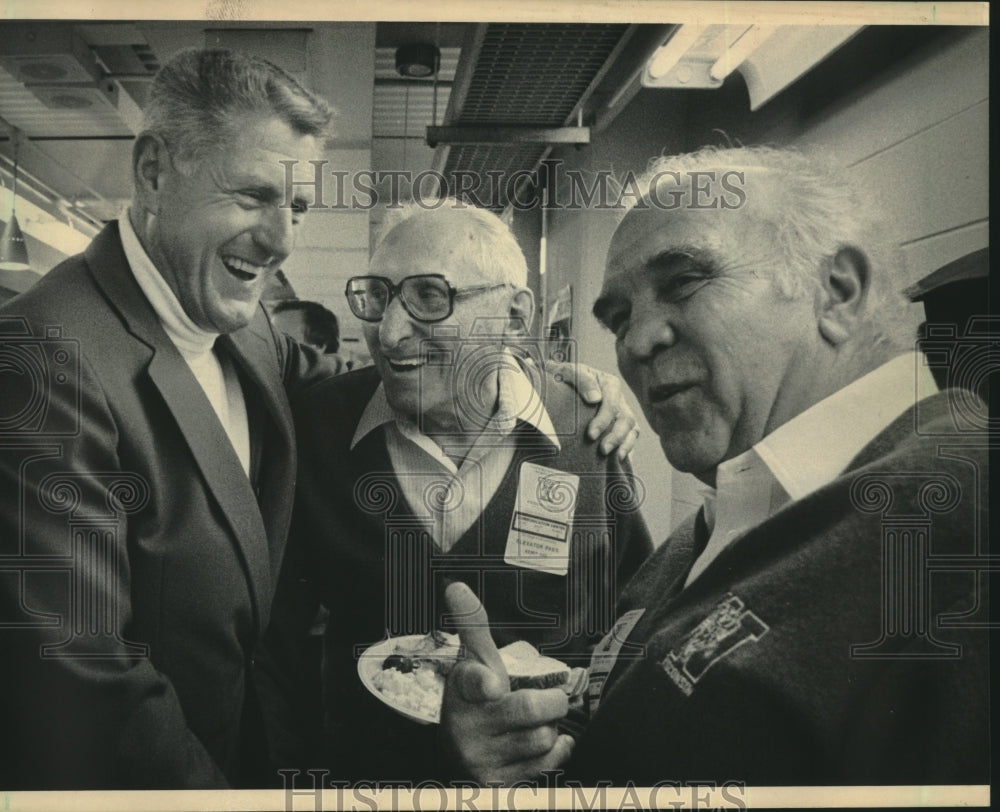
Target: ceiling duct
x=57 y=67
x=77 y=97
x=529 y=77
x=46 y=54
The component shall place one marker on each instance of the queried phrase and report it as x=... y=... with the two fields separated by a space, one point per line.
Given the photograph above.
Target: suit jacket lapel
x=255 y=356
x=196 y=420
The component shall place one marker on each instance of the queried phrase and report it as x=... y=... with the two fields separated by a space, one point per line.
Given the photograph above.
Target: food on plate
x=412 y=676
x=418 y=691
x=437 y=651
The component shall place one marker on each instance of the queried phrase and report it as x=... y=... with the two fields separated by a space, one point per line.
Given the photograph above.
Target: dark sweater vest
x=357 y=546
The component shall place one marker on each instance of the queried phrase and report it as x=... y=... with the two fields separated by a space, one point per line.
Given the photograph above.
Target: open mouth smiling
x=243 y=269
x=405 y=364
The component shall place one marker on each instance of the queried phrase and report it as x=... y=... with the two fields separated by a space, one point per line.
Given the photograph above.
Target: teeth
x=406 y=362
x=243 y=265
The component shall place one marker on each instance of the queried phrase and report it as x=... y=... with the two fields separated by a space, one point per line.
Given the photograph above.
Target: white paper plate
x=370 y=664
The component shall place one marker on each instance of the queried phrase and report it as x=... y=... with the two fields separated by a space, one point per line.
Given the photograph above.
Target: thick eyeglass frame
x=396 y=290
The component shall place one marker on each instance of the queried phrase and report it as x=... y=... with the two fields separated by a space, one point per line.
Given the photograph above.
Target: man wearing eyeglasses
x=453 y=458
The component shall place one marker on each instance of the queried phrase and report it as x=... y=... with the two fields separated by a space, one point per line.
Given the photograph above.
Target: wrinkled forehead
x=426 y=244
x=712 y=213
x=269 y=139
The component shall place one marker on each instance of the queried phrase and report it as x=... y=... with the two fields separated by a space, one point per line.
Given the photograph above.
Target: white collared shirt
x=809 y=451
x=215 y=374
x=447 y=497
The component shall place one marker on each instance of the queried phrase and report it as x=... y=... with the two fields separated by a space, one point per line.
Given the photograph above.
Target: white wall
x=332 y=243
x=919 y=139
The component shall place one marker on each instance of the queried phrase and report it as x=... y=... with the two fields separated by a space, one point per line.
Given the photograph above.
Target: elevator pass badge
x=540 y=529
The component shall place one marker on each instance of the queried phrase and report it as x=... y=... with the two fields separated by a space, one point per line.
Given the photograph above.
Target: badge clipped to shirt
x=540 y=528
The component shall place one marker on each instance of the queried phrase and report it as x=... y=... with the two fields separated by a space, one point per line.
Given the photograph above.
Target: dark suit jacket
x=138 y=559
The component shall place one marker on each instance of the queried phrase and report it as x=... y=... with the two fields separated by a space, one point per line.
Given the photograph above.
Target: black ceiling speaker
x=417 y=60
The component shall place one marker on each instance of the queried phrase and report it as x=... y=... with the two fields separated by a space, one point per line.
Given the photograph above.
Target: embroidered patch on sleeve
x=728 y=626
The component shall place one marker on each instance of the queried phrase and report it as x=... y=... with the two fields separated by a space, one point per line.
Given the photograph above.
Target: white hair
x=809 y=214
x=482 y=240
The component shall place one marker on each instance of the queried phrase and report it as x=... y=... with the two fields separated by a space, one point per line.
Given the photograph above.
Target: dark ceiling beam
x=507 y=135
x=472 y=46
x=72 y=138
x=634 y=36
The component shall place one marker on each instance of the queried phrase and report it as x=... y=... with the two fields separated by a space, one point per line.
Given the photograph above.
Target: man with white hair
x=793 y=631
x=450 y=459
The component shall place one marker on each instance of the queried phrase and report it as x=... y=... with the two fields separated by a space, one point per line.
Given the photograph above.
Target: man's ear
x=150 y=160
x=846 y=281
x=522 y=311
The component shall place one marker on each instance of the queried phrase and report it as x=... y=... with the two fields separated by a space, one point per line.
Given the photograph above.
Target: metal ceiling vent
x=525 y=76
x=57 y=66
x=535 y=74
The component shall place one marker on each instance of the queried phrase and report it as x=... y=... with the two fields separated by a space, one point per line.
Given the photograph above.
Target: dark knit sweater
x=356 y=546
x=782 y=686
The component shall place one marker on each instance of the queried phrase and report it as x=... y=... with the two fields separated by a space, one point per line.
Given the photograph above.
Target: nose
x=276 y=233
x=650 y=329
x=396 y=325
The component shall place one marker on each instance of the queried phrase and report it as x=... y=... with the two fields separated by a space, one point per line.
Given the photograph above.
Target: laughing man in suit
x=156 y=490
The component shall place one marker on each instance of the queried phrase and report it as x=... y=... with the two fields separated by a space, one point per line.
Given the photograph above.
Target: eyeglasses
x=426 y=297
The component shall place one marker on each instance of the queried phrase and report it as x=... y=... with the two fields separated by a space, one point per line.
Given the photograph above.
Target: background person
x=311 y=323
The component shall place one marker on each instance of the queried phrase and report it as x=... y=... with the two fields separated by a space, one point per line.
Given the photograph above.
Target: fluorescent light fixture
x=789 y=54
x=738 y=51
x=673 y=50
x=769 y=58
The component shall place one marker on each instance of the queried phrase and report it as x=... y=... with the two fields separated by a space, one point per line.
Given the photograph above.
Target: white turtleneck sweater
x=214 y=372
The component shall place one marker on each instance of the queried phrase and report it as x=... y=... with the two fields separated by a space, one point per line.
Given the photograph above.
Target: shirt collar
x=518 y=400
x=188 y=337
x=816 y=446
x=377 y=413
